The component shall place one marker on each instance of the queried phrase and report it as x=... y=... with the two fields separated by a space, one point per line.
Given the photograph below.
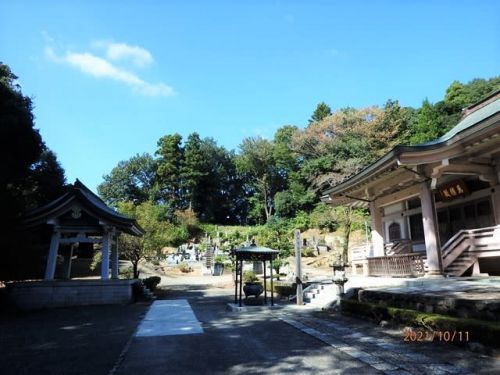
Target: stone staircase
x=320 y=294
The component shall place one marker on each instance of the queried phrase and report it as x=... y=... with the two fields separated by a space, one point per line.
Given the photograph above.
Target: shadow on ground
x=233 y=343
x=78 y=340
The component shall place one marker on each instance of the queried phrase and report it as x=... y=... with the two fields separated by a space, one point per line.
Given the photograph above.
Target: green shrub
x=250 y=277
x=151 y=282
x=185 y=268
x=307 y=252
x=127 y=273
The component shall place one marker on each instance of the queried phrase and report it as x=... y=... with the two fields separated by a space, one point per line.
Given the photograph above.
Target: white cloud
x=121 y=51
x=99 y=67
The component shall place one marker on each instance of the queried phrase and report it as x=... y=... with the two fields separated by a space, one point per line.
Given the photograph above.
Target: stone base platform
x=475 y=298
x=29 y=295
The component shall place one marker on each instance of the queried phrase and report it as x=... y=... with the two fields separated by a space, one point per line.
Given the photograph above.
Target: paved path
x=385 y=349
x=169 y=318
x=287 y=341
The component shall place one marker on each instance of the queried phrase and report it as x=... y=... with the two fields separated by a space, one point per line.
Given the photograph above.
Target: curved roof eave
x=79 y=192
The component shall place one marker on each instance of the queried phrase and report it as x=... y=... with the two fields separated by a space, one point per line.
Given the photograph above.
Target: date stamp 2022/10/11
x=410 y=335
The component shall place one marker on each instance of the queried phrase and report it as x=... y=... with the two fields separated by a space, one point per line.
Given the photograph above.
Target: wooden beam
x=398 y=196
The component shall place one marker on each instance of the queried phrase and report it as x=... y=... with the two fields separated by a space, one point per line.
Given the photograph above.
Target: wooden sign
x=298 y=268
x=453 y=190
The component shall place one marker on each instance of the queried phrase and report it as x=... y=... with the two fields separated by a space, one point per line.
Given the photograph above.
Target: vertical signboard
x=298 y=268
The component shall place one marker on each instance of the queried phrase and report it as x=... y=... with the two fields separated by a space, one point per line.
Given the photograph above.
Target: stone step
x=321 y=295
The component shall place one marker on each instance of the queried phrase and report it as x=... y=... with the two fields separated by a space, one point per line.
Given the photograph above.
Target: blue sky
x=109 y=78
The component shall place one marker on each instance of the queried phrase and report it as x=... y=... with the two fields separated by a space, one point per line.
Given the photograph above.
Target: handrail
x=450 y=251
x=399 y=247
x=461 y=234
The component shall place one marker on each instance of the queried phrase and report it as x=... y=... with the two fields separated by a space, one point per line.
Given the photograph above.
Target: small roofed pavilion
x=80 y=216
x=252 y=254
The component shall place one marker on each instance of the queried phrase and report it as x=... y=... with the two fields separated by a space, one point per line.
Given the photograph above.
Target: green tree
x=337 y=146
x=392 y=128
x=348 y=218
x=434 y=120
x=276 y=235
x=322 y=111
x=257 y=162
x=170 y=158
x=131 y=180
x=428 y=124
x=159 y=232
x=193 y=169
x=20 y=145
x=47 y=180
x=31 y=177
x=323 y=217
x=221 y=194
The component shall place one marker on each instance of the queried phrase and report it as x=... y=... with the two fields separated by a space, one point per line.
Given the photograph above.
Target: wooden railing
x=403 y=265
x=471 y=240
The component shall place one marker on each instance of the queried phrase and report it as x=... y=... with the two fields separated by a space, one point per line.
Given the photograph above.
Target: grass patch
x=482 y=331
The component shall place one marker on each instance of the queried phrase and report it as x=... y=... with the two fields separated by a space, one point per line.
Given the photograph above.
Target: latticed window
x=394 y=231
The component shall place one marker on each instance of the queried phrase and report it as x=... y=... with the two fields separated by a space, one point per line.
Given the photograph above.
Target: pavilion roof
x=255 y=253
x=256 y=250
x=79 y=193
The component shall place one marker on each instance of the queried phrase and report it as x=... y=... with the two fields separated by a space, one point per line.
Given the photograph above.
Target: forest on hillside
x=190 y=185
x=283 y=176
x=273 y=184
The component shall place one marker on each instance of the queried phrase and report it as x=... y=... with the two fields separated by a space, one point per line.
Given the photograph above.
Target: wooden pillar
x=115 y=262
x=432 y=246
x=265 y=283
x=241 y=279
x=476 y=270
x=495 y=201
x=50 y=270
x=272 y=287
x=298 y=268
x=236 y=273
x=105 y=255
x=377 y=230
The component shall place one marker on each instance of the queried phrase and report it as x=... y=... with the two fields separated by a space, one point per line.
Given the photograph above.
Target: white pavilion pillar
x=114 y=259
x=50 y=270
x=67 y=262
x=432 y=246
x=377 y=230
x=106 y=241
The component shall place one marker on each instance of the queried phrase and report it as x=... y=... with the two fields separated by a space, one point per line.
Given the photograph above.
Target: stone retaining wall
x=29 y=295
x=488 y=309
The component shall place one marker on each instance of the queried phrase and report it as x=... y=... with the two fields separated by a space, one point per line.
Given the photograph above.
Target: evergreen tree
x=322 y=111
x=170 y=158
x=131 y=180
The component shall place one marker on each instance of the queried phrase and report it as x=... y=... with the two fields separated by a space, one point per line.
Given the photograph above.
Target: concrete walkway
x=170 y=317
x=292 y=340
